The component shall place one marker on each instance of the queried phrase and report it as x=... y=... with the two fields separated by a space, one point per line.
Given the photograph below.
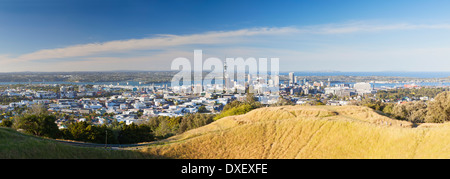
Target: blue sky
x=307 y=35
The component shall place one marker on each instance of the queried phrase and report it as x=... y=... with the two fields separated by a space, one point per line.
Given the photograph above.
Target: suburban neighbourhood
x=103 y=104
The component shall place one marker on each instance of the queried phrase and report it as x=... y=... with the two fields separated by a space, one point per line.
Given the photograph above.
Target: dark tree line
x=126 y=134
x=39 y=122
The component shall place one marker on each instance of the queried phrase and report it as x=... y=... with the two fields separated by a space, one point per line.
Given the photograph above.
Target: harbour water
x=429 y=75
x=385 y=74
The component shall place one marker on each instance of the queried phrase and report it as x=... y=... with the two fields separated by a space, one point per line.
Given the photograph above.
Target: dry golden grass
x=308 y=132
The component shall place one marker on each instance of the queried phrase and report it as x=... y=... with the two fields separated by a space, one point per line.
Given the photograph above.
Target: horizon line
x=284 y=71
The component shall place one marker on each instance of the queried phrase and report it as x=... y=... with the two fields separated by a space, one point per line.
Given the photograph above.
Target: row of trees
x=413 y=111
x=436 y=111
x=124 y=134
x=410 y=93
x=117 y=133
x=39 y=122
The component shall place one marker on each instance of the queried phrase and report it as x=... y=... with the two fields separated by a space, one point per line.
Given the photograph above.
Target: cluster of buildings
x=130 y=107
x=297 y=89
x=64 y=92
x=132 y=103
x=348 y=90
x=265 y=89
x=125 y=104
x=305 y=87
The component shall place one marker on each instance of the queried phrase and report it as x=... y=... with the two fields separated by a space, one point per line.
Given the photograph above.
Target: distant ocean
x=429 y=75
x=387 y=73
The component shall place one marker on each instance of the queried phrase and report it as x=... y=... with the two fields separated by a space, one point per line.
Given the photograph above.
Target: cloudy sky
x=319 y=35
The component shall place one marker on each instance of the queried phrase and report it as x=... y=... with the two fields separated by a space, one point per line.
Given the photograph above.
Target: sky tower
x=225 y=77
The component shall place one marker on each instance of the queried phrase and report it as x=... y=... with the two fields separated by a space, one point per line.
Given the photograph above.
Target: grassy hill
x=309 y=132
x=276 y=132
x=15 y=145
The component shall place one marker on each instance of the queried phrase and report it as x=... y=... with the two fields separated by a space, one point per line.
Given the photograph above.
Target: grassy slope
x=278 y=132
x=309 y=132
x=15 y=145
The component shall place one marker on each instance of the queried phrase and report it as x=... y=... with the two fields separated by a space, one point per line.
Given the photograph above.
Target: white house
x=123 y=106
x=139 y=105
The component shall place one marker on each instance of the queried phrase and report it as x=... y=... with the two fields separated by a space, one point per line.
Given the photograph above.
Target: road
x=110 y=146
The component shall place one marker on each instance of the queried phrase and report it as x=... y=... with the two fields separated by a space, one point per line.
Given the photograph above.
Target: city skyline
x=354 y=36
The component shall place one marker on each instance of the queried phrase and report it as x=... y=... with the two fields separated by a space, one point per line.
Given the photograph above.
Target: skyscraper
x=276 y=80
x=291 y=78
x=225 y=77
x=198 y=88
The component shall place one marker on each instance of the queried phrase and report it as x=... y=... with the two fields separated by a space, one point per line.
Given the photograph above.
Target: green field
x=16 y=145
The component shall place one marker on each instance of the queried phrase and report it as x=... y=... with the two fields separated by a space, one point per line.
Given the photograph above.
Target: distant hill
x=309 y=132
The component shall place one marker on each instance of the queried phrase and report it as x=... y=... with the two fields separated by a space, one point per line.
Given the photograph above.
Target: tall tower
x=225 y=77
x=276 y=80
x=291 y=78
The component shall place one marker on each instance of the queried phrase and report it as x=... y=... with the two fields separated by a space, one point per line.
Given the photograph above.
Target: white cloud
x=222 y=37
x=159 y=42
x=160 y=49
x=355 y=27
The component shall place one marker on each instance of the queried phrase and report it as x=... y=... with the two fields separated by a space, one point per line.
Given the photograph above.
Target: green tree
x=192 y=121
x=135 y=133
x=202 y=109
x=231 y=105
x=40 y=125
x=6 y=123
x=283 y=102
x=77 y=131
x=242 y=109
x=439 y=109
x=411 y=111
x=250 y=98
x=83 y=131
x=388 y=108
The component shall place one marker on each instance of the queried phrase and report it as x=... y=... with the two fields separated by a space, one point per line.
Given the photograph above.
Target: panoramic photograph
x=224 y=79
